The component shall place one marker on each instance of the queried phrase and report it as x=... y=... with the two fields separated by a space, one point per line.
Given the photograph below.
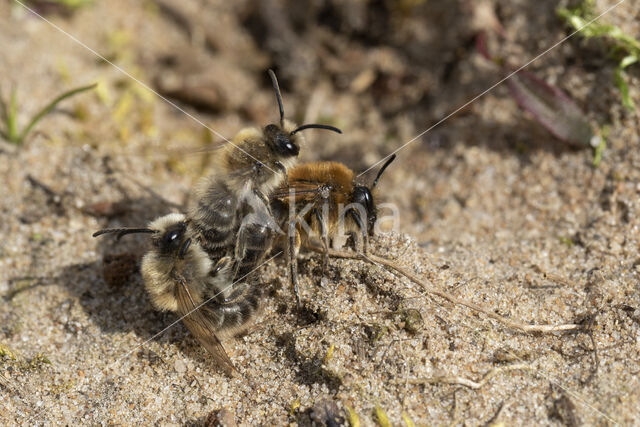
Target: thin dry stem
x=8 y=384
x=513 y=324
x=466 y=381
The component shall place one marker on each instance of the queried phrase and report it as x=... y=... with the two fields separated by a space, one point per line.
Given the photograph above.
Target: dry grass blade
x=551 y=107
x=513 y=324
x=9 y=384
x=466 y=381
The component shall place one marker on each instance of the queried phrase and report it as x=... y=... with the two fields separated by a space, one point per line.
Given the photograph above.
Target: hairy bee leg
x=361 y=228
x=292 y=254
x=282 y=169
x=325 y=239
x=219 y=265
x=240 y=249
x=264 y=199
x=239 y=291
x=215 y=271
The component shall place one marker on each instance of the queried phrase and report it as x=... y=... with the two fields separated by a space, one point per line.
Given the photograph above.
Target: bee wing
x=197 y=320
x=300 y=190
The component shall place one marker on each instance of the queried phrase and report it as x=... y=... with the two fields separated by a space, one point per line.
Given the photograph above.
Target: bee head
x=169 y=234
x=362 y=195
x=173 y=240
x=282 y=142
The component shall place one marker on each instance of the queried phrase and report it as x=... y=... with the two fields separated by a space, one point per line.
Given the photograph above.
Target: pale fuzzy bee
x=180 y=277
x=246 y=171
x=327 y=198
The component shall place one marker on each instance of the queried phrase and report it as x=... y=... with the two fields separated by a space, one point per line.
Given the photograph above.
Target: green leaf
x=628 y=60
x=49 y=107
x=579 y=19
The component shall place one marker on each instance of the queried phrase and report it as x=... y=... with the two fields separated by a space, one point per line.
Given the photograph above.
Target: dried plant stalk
x=465 y=381
x=513 y=324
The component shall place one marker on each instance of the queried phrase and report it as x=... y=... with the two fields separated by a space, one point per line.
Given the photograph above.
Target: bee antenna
x=387 y=163
x=316 y=126
x=274 y=82
x=123 y=231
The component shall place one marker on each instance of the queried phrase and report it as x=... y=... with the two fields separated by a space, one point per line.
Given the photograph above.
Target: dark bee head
x=281 y=142
x=363 y=196
x=173 y=240
x=169 y=234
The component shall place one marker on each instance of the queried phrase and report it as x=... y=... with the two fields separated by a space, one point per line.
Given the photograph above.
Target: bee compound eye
x=285 y=146
x=171 y=238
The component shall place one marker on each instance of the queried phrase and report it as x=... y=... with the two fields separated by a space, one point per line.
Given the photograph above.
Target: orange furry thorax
x=333 y=174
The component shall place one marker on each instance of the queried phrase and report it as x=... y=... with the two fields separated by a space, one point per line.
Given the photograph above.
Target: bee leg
x=282 y=169
x=292 y=253
x=239 y=291
x=219 y=265
x=325 y=239
x=355 y=215
x=264 y=199
x=239 y=252
x=216 y=269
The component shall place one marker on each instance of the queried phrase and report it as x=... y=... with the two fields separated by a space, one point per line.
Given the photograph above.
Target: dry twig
x=9 y=384
x=466 y=381
x=513 y=324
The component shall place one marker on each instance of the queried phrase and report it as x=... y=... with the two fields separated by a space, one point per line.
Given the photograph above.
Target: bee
x=323 y=199
x=180 y=277
x=231 y=212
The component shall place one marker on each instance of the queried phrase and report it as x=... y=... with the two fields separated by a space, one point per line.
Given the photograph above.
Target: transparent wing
x=300 y=190
x=199 y=322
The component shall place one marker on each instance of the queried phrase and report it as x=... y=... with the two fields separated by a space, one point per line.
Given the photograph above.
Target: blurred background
x=383 y=71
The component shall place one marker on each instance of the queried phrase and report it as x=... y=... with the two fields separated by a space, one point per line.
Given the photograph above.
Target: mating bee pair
x=202 y=265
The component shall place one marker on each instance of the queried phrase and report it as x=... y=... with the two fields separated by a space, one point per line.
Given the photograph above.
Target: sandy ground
x=492 y=209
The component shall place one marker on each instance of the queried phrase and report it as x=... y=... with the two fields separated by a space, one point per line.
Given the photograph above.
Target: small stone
x=180 y=366
x=220 y=418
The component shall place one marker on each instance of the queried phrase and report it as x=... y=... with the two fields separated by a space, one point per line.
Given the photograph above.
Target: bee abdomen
x=222 y=215
x=249 y=263
x=240 y=309
x=212 y=239
x=214 y=218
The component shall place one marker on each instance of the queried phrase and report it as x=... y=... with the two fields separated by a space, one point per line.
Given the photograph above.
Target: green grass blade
x=12 y=118
x=628 y=60
x=3 y=117
x=598 y=151
x=47 y=109
x=624 y=89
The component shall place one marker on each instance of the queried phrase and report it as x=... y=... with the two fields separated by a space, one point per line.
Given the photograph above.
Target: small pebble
x=180 y=366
